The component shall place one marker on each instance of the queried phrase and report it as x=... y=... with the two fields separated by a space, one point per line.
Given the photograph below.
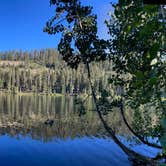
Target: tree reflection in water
x=23 y=116
x=26 y=115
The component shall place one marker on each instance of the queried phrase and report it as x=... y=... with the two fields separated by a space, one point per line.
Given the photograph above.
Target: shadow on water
x=27 y=139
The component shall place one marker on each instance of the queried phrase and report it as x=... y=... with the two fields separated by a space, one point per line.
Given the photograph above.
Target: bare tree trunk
x=133 y=156
x=133 y=132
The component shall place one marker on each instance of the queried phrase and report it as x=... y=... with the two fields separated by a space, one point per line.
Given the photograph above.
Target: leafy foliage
x=137 y=45
x=136 y=48
x=78 y=26
x=43 y=71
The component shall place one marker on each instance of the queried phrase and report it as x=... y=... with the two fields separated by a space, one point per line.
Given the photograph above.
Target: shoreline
x=32 y=93
x=41 y=94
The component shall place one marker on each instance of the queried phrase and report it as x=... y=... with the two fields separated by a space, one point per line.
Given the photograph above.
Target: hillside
x=44 y=72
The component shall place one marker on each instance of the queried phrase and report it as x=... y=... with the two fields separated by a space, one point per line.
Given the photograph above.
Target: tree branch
x=133 y=132
x=132 y=154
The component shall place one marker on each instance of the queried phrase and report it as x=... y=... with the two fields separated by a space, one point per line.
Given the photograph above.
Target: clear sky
x=22 y=23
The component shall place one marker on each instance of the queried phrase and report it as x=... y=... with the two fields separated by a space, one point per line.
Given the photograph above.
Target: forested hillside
x=44 y=72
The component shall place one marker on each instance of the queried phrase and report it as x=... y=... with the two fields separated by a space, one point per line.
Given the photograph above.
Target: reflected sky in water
x=70 y=152
x=72 y=140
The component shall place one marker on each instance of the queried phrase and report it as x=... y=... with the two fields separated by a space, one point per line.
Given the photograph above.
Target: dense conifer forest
x=43 y=71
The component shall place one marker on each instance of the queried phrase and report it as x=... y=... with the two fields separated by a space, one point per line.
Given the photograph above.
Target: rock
x=49 y=122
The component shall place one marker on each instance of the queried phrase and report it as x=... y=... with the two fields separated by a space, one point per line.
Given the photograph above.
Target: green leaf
x=139 y=75
x=153 y=50
x=153 y=81
x=128 y=28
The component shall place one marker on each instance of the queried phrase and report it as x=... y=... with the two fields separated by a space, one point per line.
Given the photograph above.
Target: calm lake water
x=72 y=140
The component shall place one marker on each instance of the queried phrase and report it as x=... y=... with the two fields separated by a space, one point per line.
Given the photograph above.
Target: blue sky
x=22 y=22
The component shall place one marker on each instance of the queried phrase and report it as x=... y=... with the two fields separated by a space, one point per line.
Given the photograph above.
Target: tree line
x=43 y=71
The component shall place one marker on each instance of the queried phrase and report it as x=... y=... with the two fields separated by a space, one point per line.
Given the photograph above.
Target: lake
x=72 y=140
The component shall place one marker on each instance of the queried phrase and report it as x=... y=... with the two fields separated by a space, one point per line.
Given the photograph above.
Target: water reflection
x=71 y=140
x=26 y=115
x=77 y=152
